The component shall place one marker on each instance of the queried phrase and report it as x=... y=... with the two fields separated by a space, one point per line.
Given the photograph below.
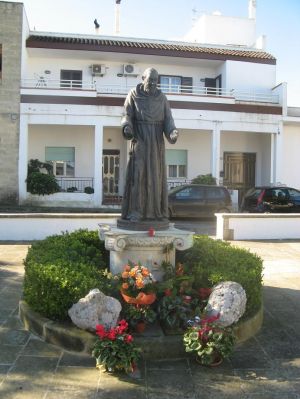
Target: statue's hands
x=174 y=135
x=127 y=132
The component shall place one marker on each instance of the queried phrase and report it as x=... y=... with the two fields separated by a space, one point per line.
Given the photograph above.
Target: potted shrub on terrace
x=210 y=342
x=115 y=349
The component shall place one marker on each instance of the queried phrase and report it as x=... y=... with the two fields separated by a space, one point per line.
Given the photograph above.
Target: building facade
x=70 y=90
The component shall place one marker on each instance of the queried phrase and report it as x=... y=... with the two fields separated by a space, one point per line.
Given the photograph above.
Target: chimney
x=252 y=9
x=117 y=17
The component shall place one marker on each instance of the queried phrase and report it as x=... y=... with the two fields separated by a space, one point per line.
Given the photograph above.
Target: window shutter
x=60 y=154
x=186 y=81
x=176 y=157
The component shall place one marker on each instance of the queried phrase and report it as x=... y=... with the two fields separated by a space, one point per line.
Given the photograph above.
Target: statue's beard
x=150 y=89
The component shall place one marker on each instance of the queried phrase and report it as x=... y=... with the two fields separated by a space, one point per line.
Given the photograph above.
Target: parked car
x=280 y=199
x=197 y=200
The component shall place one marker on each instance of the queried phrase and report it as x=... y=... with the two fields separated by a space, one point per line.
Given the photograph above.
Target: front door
x=110 y=172
x=239 y=171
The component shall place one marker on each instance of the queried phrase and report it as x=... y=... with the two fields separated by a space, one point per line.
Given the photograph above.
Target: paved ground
x=267 y=366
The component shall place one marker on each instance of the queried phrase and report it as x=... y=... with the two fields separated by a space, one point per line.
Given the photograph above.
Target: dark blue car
x=277 y=199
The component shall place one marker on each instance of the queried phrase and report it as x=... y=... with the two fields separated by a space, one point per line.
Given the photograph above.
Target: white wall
x=198 y=146
x=249 y=75
x=224 y=30
x=80 y=137
x=250 y=142
x=290 y=162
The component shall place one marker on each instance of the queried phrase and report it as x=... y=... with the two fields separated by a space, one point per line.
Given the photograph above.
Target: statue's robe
x=146 y=195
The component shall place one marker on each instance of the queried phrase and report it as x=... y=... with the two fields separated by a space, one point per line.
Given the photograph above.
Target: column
x=277 y=148
x=215 y=151
x=98 y=191
x=23 y=158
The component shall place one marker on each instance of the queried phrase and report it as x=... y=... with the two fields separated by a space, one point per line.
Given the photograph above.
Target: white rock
x=95 y=308
x=228 y=299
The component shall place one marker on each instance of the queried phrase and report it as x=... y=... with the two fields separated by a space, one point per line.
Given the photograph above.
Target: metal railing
x=75 y=184
x=42 y=82
x=45 y=83
x=172 y=183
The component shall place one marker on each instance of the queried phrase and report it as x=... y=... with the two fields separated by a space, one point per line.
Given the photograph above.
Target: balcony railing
x=75 y=184
x=266 y=96
x=45 y=83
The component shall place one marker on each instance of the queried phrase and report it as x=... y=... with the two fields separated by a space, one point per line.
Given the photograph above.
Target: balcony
x=43 y=86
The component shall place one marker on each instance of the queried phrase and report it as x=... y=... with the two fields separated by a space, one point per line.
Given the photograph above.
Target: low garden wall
x=258 y=226
x=37 y=226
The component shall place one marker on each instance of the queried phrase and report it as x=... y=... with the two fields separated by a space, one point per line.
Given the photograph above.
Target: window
x=62 y=160
x=70 y=78
x=176 y=161
x=170 y=84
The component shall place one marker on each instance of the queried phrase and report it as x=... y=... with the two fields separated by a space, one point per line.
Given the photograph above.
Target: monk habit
x=149 y=116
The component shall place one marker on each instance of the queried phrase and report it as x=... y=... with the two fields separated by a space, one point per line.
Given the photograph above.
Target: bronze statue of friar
x=147 y=119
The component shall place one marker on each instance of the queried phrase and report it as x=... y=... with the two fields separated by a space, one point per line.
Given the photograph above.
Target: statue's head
x=150 y=80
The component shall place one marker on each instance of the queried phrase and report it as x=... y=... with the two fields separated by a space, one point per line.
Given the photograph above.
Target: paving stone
x=3 y=372
x=119 y=387
x=13 y=337
x=73 y=394
x=22 y=390
x=76 y=378
x=170 y=381
x=250 y=360
x=37 y=347
x=72 y=359
x=8 y=354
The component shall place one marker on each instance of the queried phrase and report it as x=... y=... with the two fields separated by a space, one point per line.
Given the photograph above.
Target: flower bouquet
x=137 y=285
x=210 y=342
x=115 y=349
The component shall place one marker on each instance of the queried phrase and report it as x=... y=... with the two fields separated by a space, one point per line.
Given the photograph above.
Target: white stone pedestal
x=139 y=247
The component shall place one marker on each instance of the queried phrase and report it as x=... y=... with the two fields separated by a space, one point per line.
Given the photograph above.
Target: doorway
x=110 y=173
x=239 y=171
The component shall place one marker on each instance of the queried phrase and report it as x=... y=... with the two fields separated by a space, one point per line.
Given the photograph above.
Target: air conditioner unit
x=130 y=70
x=98 y=70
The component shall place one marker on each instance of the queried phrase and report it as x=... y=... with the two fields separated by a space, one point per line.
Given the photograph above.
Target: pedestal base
x=139 y=247
x=143 y=225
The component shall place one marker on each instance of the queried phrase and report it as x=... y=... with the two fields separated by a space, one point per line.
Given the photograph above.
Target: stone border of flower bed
x=71 y=338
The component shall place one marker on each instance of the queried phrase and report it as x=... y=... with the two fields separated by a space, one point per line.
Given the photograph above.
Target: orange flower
x=132 y=273
x=125 y=274
x=127 y=268
x=125 y=286
x=139 y=283
x=145 y=272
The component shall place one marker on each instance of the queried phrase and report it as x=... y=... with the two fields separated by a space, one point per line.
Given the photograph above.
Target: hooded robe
x=149 y=116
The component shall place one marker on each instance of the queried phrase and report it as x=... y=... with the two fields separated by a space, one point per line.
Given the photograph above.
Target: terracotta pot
x=141 y=299
x=216 y=362
x=140 y=327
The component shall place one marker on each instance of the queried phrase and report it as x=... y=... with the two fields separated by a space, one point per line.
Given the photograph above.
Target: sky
x=172 y=19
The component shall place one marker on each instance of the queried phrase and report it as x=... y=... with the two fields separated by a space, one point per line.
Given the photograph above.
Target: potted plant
x=115 y=349
x=137 y=285
x=173 y=312
x=139 y=316
x=210 y=342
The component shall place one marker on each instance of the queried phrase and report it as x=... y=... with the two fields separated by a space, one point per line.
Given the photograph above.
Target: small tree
x=38 y=182
x=205 y=179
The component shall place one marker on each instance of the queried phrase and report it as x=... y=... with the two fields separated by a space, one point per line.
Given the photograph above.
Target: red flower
x=128 y=339
x=100 y=331
x=204 y=293
x=168 y=292
x=111 y=334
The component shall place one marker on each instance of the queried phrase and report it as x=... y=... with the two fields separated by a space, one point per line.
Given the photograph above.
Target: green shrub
x=89 y=190
x=41 y=184
x=212 y=261
x=62 y=269
x=205 y=179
